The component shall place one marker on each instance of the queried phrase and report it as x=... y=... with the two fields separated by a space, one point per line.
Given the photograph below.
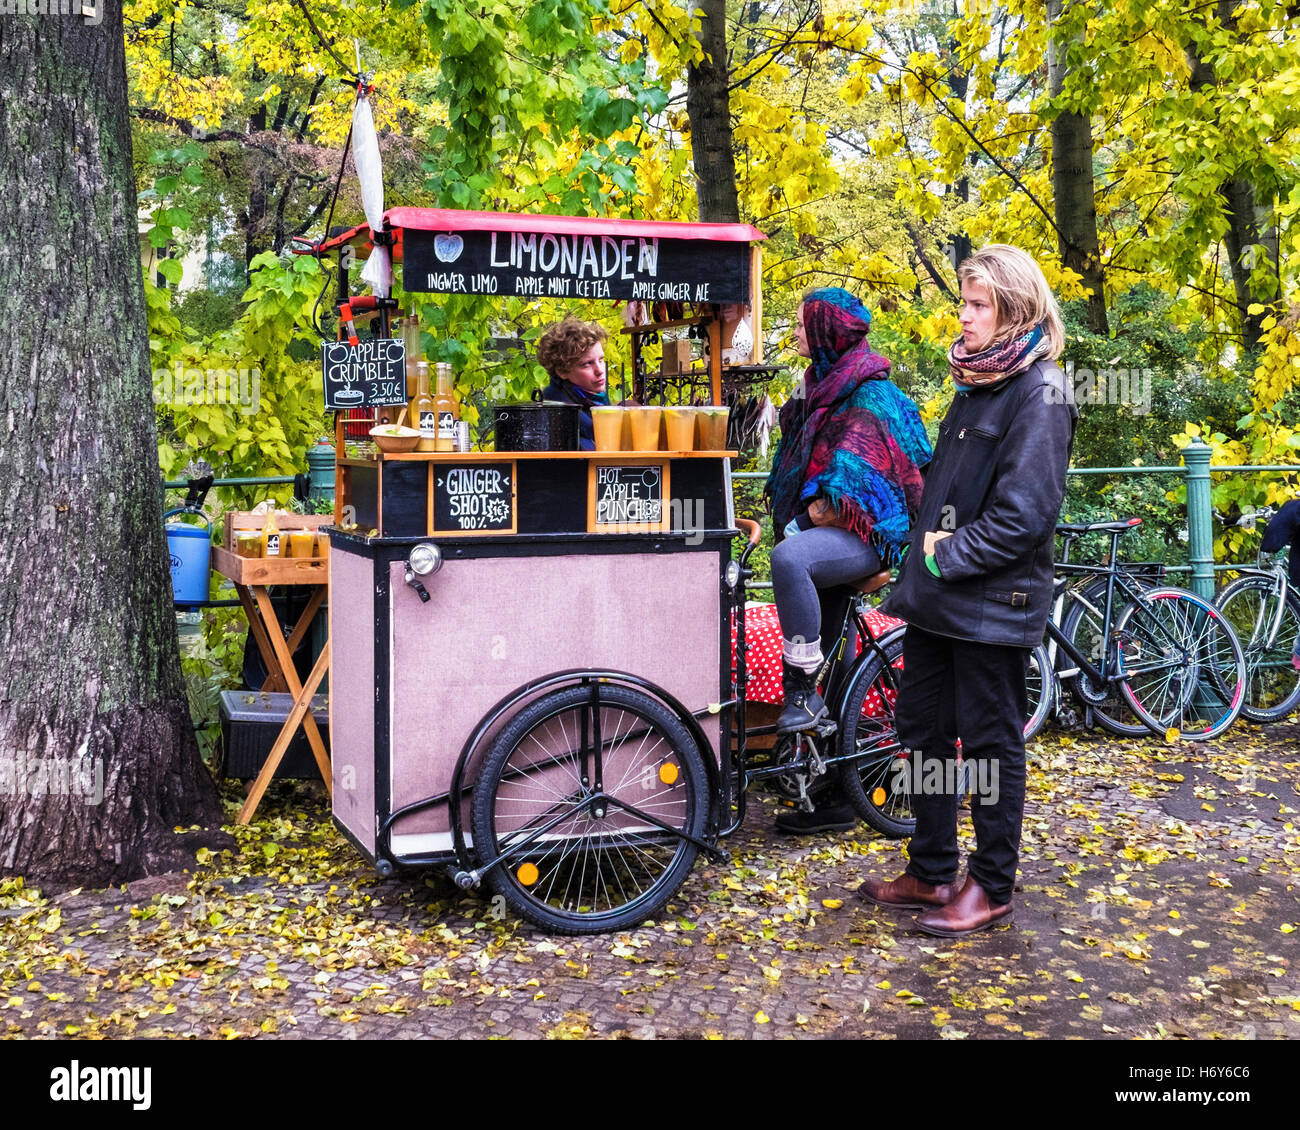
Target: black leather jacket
x=996 y=482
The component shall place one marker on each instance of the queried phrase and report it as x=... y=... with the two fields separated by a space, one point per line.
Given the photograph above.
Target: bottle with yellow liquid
x=448 y=410
x=414 y=355
x=271 y=537
x=423 y=410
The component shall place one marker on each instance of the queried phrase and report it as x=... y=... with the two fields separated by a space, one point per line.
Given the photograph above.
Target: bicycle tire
x=1083 y=629
x=1183 y=666
x=624 y=866
x=867 y=726
x=1272 y=681
x=1038 y=683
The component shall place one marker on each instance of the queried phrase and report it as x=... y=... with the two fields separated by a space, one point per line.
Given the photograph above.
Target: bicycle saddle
x=869 y=584
x=1092 y=527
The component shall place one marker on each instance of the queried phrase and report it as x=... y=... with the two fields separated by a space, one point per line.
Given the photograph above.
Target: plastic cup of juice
x=248 y=544
x=607 y=427
x=713 y=428
x=680 y=425
x=645 y=428
x=302 y=543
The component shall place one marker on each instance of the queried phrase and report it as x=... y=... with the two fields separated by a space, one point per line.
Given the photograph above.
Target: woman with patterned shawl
x=845 y=483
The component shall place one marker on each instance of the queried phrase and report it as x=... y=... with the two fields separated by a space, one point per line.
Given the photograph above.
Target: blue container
x=190 y=548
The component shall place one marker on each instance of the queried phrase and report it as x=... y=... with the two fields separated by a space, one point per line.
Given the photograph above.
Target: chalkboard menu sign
x=628 y=497
x=474 y=498
x=570 y=265
x=372 y=372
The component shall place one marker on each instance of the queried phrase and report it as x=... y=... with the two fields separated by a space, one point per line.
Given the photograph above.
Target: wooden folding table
x=251 y=577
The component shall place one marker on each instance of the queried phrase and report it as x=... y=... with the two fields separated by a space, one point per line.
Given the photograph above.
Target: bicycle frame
x=836 y=676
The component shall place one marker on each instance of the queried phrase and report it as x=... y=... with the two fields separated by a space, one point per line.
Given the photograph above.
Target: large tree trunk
x=90 y=681
x=709 y=110
x=1238 y=196
x=1073 y=187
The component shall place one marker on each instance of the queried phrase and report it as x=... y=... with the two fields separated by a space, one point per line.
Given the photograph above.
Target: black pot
x=542 y=426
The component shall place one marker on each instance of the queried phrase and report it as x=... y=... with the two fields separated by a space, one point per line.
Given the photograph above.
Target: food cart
x=531 y=677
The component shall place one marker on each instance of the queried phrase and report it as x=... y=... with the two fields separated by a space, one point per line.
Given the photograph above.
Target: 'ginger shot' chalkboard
x=372 y=372
x=474 y=498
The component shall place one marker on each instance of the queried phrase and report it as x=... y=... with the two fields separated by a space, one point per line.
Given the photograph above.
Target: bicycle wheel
x=1084 y=628
x=1250 y=605
x=1184 y=671
x=1038 y=682
x=875 y=780
x=604 y=854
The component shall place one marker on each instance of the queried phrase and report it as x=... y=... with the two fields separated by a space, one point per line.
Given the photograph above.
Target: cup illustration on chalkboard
x=448 y=247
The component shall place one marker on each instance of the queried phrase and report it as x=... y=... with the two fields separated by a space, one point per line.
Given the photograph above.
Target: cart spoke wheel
x=593 y=839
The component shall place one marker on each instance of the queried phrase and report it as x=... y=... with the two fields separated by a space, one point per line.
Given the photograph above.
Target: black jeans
x=953 y=687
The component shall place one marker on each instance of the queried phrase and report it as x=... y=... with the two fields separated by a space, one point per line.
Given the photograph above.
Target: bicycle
x=1077 y=610
x=1171 y=655
x=1264 y=610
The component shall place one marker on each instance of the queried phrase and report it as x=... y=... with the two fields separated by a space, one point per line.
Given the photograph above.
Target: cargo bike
x=544 y=701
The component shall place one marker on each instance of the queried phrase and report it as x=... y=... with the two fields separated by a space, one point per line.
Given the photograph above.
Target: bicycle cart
x=543 y=699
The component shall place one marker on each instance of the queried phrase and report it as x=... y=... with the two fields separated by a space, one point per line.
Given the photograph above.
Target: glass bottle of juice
x=271 y=537
x=414 y=354
x=447 y=408
x=424 y=414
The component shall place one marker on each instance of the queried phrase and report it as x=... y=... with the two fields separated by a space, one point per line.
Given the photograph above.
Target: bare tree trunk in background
x=90 y=680
x=1238 y=197
x=1073 y=187
x=709 y=110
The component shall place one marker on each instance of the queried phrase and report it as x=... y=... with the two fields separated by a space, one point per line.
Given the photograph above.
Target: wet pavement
x=1158 y=898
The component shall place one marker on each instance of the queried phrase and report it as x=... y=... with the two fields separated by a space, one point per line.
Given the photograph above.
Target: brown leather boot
x=969 y=912
x=907 y=892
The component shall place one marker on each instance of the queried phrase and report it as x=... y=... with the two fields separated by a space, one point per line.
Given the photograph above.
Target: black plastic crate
x=250 y=723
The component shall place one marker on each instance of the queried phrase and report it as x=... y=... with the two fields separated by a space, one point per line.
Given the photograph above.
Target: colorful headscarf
x=849 y=436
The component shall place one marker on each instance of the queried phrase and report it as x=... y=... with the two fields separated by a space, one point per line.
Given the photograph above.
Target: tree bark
x=90 y=681
x=1238 y=195
x=709 y=109
x=1073 y=187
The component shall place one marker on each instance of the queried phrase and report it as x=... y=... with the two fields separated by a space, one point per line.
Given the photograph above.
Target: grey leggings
x=817 y=558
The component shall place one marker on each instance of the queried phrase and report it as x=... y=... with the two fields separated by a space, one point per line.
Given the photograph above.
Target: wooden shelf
x=271 y=570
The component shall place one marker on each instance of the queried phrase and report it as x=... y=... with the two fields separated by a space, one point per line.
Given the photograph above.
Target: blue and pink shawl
x=852 y=437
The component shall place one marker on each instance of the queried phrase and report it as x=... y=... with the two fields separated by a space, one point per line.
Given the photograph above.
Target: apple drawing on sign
x=448 y=247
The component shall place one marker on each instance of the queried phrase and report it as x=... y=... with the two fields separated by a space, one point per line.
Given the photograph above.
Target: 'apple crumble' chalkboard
x=372 y=372
x=474 y=498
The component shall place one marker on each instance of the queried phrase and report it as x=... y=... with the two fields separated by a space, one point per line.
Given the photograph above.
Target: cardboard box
x=677 y=356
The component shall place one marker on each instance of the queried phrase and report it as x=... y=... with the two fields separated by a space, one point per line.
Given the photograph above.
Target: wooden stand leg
x=274 y=680
x=301 y=712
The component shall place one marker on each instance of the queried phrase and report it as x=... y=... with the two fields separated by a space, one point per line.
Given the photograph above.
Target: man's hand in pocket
x=932 y=538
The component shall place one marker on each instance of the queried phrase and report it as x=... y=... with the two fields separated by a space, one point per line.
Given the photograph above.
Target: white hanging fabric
x=378 y=271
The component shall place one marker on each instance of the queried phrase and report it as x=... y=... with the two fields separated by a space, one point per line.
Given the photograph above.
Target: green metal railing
x=1196 y=470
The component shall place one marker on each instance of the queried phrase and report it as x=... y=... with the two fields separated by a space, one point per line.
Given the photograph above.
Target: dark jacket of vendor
x=573 y=353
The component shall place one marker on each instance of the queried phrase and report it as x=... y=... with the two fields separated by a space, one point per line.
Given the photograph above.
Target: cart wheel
x=873 y=784
x=578 y=858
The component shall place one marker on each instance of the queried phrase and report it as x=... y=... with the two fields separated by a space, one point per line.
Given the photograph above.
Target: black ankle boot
x=804 y=707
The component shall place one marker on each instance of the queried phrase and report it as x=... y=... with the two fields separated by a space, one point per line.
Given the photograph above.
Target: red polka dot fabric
x=763 y=652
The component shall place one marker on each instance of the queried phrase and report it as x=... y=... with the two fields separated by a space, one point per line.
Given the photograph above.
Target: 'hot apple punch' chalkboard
x=627 y=497
x=372 y=372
